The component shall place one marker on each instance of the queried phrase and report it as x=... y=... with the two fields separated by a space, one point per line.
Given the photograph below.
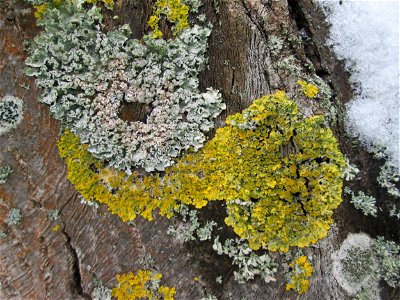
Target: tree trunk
x=39 y=263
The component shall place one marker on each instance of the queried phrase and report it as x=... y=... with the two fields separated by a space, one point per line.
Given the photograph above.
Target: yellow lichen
x=301 y=272
x=309 y=90
x=285 y=169
x=143 y=285
x=56 y=228
x=41 y=9
x=174 y=11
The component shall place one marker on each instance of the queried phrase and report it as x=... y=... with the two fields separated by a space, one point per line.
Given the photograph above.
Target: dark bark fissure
x=311 y=50
x=76 y=284
x=303 y=27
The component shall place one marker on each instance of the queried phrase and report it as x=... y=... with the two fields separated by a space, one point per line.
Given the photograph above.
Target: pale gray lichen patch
x=11 y=113
x=354 y=264
x=14 y=217
x=87 y=75
x=191 y=229
x=365 y=203
x=249 y=263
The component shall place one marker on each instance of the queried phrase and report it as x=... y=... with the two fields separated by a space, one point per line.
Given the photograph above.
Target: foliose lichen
x=174 y=11
x=308 y=89
x=14 y=217
x=389 y=178
x=53 y=214
x=301 y=271
x=365 y=203
x=87 y=75
x=4 y=173
x=144 y=285
x=286 y=171
x=41 y=6
x=388 y=254
x=3 y=234
x=248 y=262
x=350 y=171
x=191 y=229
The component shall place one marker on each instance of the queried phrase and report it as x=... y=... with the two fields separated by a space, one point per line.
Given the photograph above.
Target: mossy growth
x=286 y=171
x=144 y=285
x=174 y=11
x=301 y=270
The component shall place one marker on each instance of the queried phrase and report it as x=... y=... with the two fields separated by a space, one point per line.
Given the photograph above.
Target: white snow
x=366 y=35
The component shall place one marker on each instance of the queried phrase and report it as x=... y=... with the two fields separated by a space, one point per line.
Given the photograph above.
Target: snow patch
x=366 y=35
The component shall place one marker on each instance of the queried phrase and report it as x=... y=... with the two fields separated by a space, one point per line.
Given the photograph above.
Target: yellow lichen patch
x=143 y=285
x=308 y=89
x=301 y=272
x=174 y=11
x=285 y=171
x=113 y=178
x=133 y=196
x=41 y=9
x=56 y=228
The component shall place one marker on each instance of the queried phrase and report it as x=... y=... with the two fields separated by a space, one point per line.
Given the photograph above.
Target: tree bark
x=39 y=263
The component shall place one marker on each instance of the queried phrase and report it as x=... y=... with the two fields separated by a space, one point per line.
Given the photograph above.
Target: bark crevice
x=76 y=284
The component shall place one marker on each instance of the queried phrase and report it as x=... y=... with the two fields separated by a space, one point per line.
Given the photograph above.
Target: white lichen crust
x=354 y=264
x=11 y=113
x=87 y=75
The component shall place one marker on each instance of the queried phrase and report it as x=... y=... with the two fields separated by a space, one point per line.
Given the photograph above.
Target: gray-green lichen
x=11 y=113
x=53 y=214
x=365 y=203
x=249 y=263
x=14 y=217
x=388 y=253
x=394 y=212
x=209 y=296
x=100 y=291
x=388 y=178
x=87 y=75
x=191 y=229
x=350 y=171
x=4 y=173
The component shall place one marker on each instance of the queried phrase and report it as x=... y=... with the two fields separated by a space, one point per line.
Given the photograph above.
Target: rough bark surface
x=37 y=262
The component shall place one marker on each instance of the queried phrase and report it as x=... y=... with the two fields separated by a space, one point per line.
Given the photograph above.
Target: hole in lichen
x=133 y=112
